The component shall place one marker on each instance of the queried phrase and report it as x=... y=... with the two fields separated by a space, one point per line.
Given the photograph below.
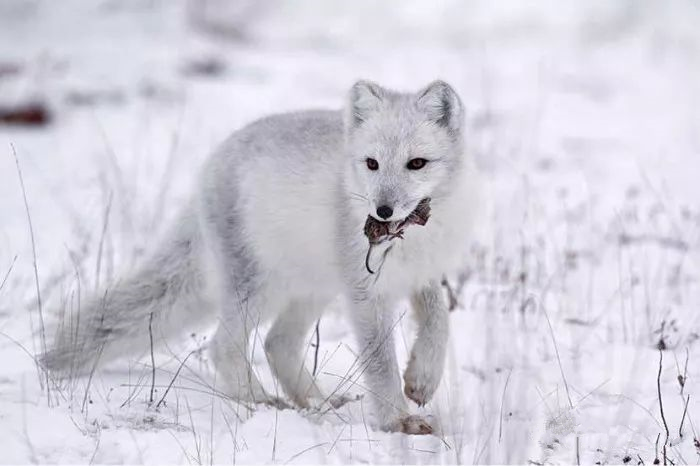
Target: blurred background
x=152 y=86
x=148 y=87
x=584 y=118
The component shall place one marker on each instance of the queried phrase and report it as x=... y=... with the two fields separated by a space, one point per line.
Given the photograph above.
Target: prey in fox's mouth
x=378 y=232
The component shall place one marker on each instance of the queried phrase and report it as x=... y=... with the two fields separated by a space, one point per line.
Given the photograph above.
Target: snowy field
x=576 y=335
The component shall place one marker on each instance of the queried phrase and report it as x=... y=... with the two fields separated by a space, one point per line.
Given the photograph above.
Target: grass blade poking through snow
x=7 y=275
x=42 y=331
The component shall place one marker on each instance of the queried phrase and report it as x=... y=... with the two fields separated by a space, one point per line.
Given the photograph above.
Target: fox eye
x=416 y=164
x=372 y=164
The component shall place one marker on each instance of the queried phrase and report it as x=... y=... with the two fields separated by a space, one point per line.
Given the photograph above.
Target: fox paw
x=411 y=425
x=420 y=381
x=276 y=402
x=341 y=400
x=329 y=403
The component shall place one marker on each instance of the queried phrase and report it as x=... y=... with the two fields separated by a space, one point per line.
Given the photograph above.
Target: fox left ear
x=442 y=104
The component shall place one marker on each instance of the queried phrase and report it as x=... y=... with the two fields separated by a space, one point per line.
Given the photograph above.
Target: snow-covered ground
x=584 y=118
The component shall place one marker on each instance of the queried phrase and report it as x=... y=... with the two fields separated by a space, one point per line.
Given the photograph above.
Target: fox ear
x=365 y=98
x=442 y=105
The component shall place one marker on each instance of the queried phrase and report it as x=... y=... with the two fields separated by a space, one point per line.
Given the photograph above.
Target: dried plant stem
x=170 y=385
x=566 y=384
x=153 y=360
x=42 y=330
x=9 y=271
x=685 y=411
x=656 y=449
x=89 y=382
x=503 y=402
x=100 y=249
x=317 y=336
x=661 y=404
x=274 y=439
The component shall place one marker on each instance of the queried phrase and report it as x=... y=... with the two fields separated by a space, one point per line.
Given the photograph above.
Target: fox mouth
x=378 y=232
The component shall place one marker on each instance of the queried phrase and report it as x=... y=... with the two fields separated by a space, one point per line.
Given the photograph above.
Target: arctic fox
x=277 y=230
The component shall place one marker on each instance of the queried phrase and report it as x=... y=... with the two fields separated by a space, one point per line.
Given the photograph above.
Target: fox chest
x=403 y=265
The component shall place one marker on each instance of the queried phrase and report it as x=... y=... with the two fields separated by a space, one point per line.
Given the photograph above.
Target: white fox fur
x=278 y=221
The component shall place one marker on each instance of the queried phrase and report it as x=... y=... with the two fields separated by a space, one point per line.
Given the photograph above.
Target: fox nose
x=384 y=211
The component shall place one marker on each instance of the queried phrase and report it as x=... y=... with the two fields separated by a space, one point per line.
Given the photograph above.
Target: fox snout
x=385 y=212
x=386 y=204
x=390 y=212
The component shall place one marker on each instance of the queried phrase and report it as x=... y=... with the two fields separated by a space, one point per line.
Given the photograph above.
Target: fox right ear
x=365 y=98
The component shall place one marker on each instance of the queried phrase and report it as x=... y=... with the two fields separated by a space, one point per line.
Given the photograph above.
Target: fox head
x=403 y=148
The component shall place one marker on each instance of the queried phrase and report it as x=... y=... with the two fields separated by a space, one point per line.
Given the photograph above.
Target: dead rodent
x=377 y=232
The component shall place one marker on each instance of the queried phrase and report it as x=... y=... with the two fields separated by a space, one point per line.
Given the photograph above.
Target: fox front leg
x=374 y=325
x=427 y=359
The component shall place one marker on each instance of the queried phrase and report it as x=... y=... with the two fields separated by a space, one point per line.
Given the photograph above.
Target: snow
x=583 y=117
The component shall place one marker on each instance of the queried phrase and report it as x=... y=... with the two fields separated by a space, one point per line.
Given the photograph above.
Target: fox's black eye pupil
x=372 y=164
x=416 y=164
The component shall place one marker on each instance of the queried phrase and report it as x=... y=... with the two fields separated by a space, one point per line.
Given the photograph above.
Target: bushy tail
x=162 y=298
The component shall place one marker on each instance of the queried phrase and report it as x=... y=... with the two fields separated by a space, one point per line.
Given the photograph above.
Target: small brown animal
x=377 y=232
